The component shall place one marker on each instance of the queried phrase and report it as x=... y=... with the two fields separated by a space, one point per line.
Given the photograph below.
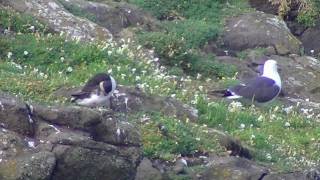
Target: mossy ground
x=35 y=64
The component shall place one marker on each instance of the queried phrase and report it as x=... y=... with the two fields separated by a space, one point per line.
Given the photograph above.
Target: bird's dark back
x=95 y=80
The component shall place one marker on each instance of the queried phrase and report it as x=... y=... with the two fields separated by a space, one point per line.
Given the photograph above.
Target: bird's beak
x=102 y=87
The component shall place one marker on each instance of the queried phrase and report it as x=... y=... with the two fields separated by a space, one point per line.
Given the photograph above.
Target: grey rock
x=60 y=20
x=310 y=40
x=68 y=143
x=114 y=16
x=14 y=115
x=146 y=171
x=222 y=168
x=130 y=99
x=258 y=29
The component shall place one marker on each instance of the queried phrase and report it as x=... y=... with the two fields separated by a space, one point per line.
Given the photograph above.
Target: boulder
x=311 y=41
x=258 y=29
x=15 y=115
x=222 y=168
x=131 y=100
x=19 y=161
x=67 y=143
x=114 y=16
x=58 y=19
x=146 y=171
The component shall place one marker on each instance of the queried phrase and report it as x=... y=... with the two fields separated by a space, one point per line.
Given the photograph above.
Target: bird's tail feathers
x=221 y=93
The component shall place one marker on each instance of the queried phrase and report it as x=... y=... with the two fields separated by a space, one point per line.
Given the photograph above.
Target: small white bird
x=96 y=92
x=262 y=89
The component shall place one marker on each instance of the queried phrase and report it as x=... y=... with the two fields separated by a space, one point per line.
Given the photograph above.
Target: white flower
x=268 y=156
x=200 y=88
x=25 y=53
x=199 y=76
x=138 y=78
x=109 y=71
x=242 y=126
x=69 y=69
x=134 y=70
x=235 y=106
x=287 y=124
x=109 y=53
x=173 y=95
x=61 y=59
x=9 y=55
x=288 y=110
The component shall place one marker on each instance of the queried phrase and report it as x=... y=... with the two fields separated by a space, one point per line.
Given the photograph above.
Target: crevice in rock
x=262 y=176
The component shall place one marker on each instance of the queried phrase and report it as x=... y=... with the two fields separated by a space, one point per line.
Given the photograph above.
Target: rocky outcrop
x=132 y=100
x=114 y=16
x=60 y=20
x=221 y=168
x=65 y=143
x=258 y=29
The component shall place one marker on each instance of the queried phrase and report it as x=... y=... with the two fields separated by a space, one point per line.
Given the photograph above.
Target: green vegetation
x=309 y=10
x=35 y=65
x=20 y=23
x=194 y=23
x=77 y=11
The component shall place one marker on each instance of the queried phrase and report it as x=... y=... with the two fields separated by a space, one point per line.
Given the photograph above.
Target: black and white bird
x=262 y=89
x=96 y=92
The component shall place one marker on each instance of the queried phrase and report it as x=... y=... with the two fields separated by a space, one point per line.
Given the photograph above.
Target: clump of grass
x=175 y=139
x=77 y=11
x=179 y=42
x=14 y=21
x=285 y=139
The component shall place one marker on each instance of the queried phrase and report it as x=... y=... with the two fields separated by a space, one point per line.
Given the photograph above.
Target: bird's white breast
x=94 y=100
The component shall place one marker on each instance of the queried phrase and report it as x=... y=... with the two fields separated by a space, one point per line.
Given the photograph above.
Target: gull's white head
x=270 y=65
x=270 y=70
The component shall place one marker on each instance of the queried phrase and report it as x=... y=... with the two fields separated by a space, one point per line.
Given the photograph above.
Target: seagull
x=261 y=90
x=96 y=92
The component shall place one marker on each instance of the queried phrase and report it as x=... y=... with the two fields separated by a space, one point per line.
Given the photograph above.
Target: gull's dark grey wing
x=261 y=89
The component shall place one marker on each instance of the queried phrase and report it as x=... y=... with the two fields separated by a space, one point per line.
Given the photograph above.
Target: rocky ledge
x=60 y=142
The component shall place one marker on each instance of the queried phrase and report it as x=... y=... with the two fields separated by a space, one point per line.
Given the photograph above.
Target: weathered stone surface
x=258 y=29
x=71 y=116
x=222 y=168
x=60 y=20
x=130 y=99
x=146 y=171
x=68 y=143
x=114 y=16
x=14 y=115
x=311 y=40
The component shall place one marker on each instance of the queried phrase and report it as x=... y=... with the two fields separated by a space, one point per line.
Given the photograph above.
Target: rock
x=116 y=132
x=311 y=41
x=19 y=161
x=180 y=166
x=14 y=115
x=257 y=29
x=68 y=143
x=132 y=100
x=60 y=20
x=264 y=6
x=71 y=116
x=311 y=174
x=234 y=146
x=233 y=168
x=114 y=16
x=146 y=171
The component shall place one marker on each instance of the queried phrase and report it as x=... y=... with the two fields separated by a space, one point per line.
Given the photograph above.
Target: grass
x=194 y=23
x=35 y=65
